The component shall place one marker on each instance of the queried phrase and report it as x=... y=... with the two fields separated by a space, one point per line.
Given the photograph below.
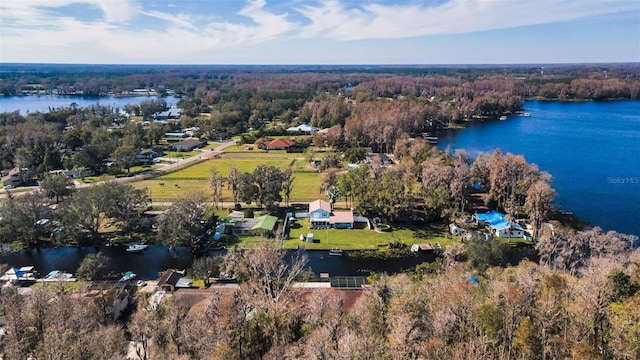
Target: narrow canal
x=155 y=259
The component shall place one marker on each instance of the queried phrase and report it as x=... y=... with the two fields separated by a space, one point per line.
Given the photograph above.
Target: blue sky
x=319 y=31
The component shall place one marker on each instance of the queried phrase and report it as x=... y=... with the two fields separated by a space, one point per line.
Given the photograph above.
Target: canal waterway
x=43 y=103
x=592 y=150
x=149 y=263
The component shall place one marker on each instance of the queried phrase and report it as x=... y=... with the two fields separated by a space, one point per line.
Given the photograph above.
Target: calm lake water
x=43 y=103
x=592 y=150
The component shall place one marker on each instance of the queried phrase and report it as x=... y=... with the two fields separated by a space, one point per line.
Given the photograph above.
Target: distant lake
x=592 y=150
x=43 y=103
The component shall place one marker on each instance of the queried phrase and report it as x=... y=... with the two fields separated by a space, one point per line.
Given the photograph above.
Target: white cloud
x=30 y=28
x=333 y=19
x=181 y=20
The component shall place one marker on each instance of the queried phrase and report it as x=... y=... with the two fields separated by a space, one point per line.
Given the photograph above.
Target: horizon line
x=334 y=64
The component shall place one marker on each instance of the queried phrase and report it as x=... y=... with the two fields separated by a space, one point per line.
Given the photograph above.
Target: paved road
x=174 y=166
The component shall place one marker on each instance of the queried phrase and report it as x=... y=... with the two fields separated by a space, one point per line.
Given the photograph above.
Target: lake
x=592 y=150
x=33 y=103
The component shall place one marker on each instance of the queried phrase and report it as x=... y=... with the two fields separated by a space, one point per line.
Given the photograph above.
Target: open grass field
x=203 y=170
x=272 y=154
x=195 y=178
x=306 y=187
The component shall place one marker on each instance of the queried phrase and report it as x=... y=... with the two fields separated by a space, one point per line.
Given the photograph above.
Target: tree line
x=444 y=310
x=367 y=108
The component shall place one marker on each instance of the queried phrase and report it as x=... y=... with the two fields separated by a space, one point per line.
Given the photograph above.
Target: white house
x=304 y=128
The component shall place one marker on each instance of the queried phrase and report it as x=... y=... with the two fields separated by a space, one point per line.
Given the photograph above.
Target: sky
x=319 y=31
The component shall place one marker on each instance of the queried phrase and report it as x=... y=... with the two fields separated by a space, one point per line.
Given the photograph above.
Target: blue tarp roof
x=497 y=220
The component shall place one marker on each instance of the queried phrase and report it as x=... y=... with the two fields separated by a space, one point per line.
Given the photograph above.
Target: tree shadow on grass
x=429 y=231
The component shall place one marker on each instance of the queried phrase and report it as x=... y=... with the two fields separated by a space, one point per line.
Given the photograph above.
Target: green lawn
x=223 y=166
x=275 y=154
x=244 y=147
x=195 y=179
x=306 y=186
x=357 y=239
x=181 y=154
x=169 y=190
x=364 y=239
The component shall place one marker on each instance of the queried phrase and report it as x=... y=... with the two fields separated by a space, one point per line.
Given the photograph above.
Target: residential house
x=79 y=173
x=319 y=213
x=279 y=144
x=169 y=281
x=12 y=177
x=499 y=225
x=303 y=128
x=341 y=219
x=171 y=114
x=321 y=216
x=188 y=145
x=176 y=135
x=150 y=154
x=262 y=225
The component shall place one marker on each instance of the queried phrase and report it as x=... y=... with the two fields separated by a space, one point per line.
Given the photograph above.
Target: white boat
x=129 y=275
x=503 y=118
x=136 y=247
x=335 y=252
x=526 y=114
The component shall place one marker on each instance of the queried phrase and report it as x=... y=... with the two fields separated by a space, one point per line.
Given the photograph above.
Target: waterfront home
x=262 y=225
x=171 y=114
x=321 y=216
x=341 y=219
x=499 y=225
x=319 y=213
x=171 y=280
x=279 y=144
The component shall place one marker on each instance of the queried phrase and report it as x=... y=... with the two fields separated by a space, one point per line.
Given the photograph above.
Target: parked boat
x=526 y=114
x=503 y=118
x=335 y=252
x=136 y=247
x=129 y=275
